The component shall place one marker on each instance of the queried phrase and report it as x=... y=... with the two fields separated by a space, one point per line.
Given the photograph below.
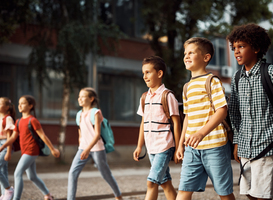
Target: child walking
x=155 y=129
x=251 y=111
x=29 y=148
x=203 y=144
x=7 y=117
x=90 y=145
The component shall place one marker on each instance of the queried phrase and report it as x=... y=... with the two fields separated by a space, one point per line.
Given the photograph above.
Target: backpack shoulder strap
x=164 y=102
x=78 y=117
x=185 y=88
x=208 y=87
x=31 y=129
x=92 y=115
x=266 y=81
x=237 y=78
x=18 y=124
x=143 y=97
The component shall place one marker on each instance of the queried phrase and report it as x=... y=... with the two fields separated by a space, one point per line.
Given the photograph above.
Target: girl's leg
x=99 y=158
x=32 y=176
x=4 y=181
x=74 y=172
x=24 y=163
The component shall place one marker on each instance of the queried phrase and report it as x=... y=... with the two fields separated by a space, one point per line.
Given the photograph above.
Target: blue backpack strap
x=78 y=117
x=92 y=115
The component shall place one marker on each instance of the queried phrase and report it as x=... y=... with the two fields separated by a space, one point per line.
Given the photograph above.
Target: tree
x=179 y=20
x=65 y=32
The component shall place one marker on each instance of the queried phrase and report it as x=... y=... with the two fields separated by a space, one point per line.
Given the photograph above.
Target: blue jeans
x=77 y=165
x=160 y=171
x=3 y=169
x=27 y=164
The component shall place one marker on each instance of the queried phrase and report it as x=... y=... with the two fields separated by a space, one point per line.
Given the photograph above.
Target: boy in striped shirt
x=203 y=143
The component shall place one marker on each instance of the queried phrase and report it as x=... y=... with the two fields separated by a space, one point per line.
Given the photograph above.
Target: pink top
x=157 y=134
x=88 y=132
x=9 y=126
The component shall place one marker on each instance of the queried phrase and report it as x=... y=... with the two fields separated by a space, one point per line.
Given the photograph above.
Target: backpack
x=44 y=150
x=165 y=106
x=226 y=122
x=16 y=143
x=106 y=132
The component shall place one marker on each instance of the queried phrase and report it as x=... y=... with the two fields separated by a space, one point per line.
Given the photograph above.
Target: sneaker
x=48 y=197
x=8 y=194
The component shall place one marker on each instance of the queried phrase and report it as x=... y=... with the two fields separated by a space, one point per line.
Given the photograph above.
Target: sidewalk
x=131 y=180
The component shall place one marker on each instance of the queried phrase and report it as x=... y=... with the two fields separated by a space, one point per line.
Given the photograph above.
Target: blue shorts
x=214 y=163
x=160 y=171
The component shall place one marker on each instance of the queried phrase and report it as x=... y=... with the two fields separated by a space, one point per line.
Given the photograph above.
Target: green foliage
x=66 y=32
x=12 y=13
x=180 y=20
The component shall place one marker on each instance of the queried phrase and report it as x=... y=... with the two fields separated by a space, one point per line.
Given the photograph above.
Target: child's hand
x=137 y=153
x=180 y=153
x=235 y=153
x=194 y=139
x=85 y=154
x=7 y=156
x=55 y=153
x=175 y=158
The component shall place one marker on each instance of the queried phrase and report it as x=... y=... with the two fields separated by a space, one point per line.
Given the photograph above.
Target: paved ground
x=131 y=180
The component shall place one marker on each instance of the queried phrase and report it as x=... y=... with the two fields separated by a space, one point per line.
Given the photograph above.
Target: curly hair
x=256 y=36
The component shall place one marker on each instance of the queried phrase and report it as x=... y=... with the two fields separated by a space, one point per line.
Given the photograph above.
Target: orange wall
x=123 y=135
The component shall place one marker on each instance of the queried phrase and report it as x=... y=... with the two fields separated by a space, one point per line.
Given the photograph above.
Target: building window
x=220 y=52
x=119 y=96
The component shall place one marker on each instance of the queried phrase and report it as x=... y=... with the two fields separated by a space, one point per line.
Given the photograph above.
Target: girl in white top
x=7 y=117
x=90 y=145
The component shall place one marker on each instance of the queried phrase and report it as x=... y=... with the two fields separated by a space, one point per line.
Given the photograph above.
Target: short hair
x=157 y=62
x=253 y=34
x=203 y=44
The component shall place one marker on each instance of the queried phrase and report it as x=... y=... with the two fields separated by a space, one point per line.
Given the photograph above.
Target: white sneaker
x=8 y=194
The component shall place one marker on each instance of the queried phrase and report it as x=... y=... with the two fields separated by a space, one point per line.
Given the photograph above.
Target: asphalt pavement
x=130 y=178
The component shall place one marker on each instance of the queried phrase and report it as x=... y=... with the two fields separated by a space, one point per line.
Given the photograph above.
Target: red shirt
x=27 y=142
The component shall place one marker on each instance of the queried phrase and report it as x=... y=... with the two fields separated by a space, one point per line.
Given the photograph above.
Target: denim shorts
x=160 y=171
x=214 y=163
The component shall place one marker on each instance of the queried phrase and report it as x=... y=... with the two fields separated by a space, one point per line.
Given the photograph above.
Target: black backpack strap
x=18 y=124
x=237 y=78
x=266 y=81
x=36 y=138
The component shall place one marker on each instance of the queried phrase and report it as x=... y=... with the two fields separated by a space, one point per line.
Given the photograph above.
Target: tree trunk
x=64 y=117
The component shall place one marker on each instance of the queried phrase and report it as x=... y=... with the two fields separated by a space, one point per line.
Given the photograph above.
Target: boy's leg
x=257 y=179
x=217 y=163
x=159 y=173
x=184 y=195
x=152 y=191
x=169 y=190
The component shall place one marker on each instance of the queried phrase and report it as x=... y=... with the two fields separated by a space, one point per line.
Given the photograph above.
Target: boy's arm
x=194 y=139
x=181 y=146
x=177 y=133
x=140 y=141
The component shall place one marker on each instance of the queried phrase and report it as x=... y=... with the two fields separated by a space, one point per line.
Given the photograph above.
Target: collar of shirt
x=254 y=70
x=158 y=91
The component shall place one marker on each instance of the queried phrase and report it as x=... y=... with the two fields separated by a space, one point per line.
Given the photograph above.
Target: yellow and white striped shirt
x=199 y=110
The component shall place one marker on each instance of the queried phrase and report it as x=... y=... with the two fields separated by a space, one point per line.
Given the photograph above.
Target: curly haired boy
x=251 y=112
